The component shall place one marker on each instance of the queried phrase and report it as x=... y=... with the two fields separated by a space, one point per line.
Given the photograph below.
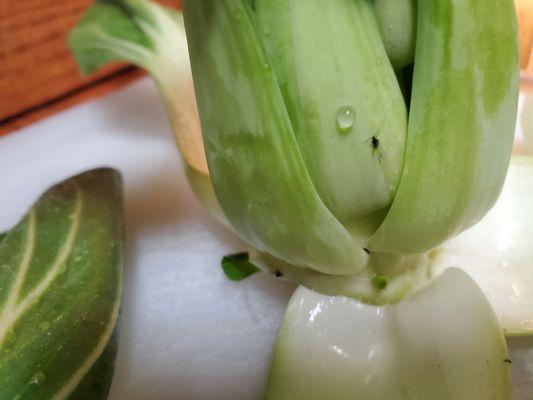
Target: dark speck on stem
x=278 y=273
x=374 y=145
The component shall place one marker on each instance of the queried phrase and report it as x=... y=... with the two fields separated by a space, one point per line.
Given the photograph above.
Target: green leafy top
x=152 y=37
x=126 y=30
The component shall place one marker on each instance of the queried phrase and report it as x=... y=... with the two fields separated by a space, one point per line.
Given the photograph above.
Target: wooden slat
x=36 y=67
x=97 y=88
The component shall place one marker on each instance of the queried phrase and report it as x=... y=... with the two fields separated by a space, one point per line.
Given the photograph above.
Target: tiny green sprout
x=238 y=266
x=380 y=281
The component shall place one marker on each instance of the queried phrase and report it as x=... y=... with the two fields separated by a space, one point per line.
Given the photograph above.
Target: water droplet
x=345 y=119
x=37 y=379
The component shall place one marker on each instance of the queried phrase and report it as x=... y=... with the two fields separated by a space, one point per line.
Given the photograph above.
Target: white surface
x=186 y=331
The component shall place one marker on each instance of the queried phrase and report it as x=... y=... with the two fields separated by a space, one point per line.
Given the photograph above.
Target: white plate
x=186 y=331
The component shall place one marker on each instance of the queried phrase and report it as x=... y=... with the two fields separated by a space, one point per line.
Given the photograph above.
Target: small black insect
x=374 y=145
x=507 y=361
x=278 y=273
x=366 y=250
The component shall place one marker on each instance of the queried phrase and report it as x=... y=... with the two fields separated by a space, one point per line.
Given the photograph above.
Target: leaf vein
x=99 y=348
x=22 y=271
x=12 y=317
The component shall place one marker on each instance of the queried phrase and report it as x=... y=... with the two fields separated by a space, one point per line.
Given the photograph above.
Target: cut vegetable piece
x=238 y=266
x=442 y=343
x=60 y=284
x=152 y=37
x=461 y=123
x=498 y=253
x=342 y=97
x=397 y=24
x=256 y=167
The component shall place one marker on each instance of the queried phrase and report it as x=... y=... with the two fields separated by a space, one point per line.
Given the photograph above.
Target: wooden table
x=38 y=75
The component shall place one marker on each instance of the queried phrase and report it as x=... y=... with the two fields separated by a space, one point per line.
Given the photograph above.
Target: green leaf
x=342 y=96
x=442 y=343
x=96 y=383
x=119 y=30
x=60 y=284
x=461 y=123
x=238 y=266
x=257 y=169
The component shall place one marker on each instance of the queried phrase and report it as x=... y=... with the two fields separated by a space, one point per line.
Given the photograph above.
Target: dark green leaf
x=238 y=266
x=60 y=283
x=96 y=383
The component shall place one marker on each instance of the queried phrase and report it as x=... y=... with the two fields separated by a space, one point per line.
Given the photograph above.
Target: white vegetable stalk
x=441 y=343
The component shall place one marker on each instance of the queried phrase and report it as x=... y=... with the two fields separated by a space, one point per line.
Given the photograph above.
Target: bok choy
x=309 y=168
x=346 y=142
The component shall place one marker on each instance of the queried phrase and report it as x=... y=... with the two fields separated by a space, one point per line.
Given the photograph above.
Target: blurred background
x=38 y=76
x=524 y=10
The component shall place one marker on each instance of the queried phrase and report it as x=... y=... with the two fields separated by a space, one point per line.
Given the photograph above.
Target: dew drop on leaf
x=345 y=119
x=37 y=379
